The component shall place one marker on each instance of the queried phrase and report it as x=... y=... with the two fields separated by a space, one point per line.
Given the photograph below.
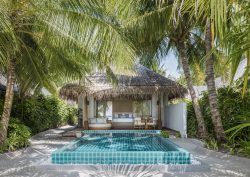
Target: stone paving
x=35 y=161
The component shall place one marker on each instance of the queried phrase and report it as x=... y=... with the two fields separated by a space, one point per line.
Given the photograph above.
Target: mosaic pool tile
x=121 y=147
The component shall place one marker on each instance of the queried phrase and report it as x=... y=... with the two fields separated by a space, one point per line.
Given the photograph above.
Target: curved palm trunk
x=212 y=95
x=184 y=59
x=8 y=101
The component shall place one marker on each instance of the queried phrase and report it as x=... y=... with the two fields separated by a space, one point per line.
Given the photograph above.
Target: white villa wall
x=176 y=118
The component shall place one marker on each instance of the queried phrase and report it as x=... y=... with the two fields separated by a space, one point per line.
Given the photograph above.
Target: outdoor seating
x=99 y=124
x=152 y=123
x=138 y=123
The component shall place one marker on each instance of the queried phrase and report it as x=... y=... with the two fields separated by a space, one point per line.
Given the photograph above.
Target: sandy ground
x=35 y=161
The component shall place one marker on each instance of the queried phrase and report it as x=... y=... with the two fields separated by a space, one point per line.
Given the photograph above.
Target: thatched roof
x=140 y=85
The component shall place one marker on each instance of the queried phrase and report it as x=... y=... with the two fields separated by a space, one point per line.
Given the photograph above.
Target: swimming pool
x=121 y=147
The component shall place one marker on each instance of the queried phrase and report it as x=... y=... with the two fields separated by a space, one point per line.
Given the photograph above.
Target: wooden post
x=159 y=113
x=80 y=111
x=162 y=105
x=165 y=108
x=154 y=106
x=85 y=113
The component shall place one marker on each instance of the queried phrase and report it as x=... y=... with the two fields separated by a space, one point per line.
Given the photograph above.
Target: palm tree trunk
x=184 y=60
x=8 y=101
x=212 y=95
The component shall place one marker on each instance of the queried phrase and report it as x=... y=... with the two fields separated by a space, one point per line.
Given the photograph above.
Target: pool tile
x=121 y=147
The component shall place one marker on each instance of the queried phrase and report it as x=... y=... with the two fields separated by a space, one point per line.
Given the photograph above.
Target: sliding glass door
x=104 y=109
x=142 y=108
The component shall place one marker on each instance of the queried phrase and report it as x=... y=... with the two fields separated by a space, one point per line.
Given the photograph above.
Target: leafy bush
x=164 y=134
x=18 y=136
x=192 y=126
x=234 y=110
x=242 y=144
x=3 y=147
x=72 y=116
x=244 y=148
x=35 y=114
x=41 y=113
x=211 y=144
x=237 y=129
x=178 y=135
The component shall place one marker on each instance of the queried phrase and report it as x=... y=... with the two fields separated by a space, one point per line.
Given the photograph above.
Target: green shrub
x=72 y=116
x=41 y=113
x=211 y=144
x=164 y=134
x=35 y=114
x=18 y=136
x=244 y=148
x=3 y=147
x=178 y=135
x=234 y=110
x=242 y=145
x=192 y=127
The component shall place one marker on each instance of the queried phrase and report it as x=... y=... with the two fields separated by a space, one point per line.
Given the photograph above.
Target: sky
x=171 y=63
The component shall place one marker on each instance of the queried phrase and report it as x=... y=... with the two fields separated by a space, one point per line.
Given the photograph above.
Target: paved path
x=35 y=161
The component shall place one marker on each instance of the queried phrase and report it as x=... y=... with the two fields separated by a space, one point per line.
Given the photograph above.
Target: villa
x=137 y=100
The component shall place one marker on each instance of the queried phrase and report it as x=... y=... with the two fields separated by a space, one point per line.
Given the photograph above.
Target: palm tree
x=180 y=37
x=212 y=15
x=43 y=43
x=154 y=36
x=210 y=80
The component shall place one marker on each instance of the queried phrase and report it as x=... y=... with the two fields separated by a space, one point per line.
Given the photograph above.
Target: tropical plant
x=161 y=38
x=237 y=129
x=234 y=111
x=212 y=15
x=18 y=136
x=210 y=80
x=43 y=43
x=178 y=135
x=71 y=116
x=153 y=64
x=239 y=139
x=179 y=37
x=146 y=29
x=235 y=115
x=182 y=80
x=244 y=148
x=237 y=38
x=164 y=134
x=40 y=112
x=211 y=144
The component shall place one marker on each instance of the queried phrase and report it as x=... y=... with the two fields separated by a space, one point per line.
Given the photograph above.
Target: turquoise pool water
x=121 y=147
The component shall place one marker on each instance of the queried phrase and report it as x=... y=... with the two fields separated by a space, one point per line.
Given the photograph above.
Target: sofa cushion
x=93 y=121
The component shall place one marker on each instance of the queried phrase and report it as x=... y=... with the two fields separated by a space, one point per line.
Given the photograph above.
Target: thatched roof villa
x=143 y=94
